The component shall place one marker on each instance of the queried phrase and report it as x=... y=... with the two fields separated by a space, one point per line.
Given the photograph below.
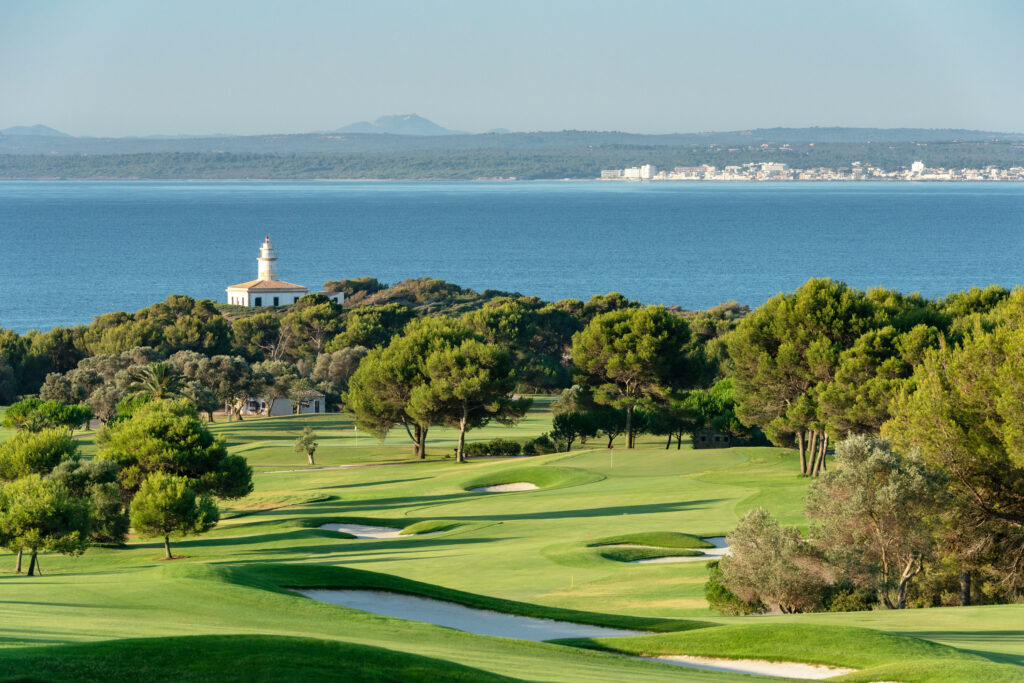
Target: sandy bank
x=452 y=615
x=718 y=551
x=363 y=530
x=755 y=666
x=505 y=488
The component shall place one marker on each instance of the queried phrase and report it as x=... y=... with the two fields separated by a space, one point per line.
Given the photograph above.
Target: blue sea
x=72 y=250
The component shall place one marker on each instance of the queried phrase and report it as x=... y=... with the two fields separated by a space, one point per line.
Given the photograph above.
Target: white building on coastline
x=266 y=289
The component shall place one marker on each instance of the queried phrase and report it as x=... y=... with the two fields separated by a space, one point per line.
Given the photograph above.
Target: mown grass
x=430 y=526
x=930 y=671
x=229 y=659
x=546 y=477
x=877 y=655
x=658 y=539
x=527 y=553
x=852 y=647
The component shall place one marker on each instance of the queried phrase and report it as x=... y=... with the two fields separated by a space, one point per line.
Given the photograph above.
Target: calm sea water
x=71 y=250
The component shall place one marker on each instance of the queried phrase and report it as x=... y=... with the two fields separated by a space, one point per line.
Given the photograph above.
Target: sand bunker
x=452 y=615
x=363 y=530
x=505 y=488
x=709 y=553
x=756 y=666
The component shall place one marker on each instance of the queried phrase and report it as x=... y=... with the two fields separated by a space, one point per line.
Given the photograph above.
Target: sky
x=137 y=67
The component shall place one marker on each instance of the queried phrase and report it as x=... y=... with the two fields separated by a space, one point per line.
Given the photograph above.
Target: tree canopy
x=169 y=437
x=632 y=355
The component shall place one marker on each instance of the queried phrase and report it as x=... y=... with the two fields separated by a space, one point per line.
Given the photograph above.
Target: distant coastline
x=657 y=181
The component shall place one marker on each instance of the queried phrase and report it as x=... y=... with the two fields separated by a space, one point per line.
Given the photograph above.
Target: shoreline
x=738 y=181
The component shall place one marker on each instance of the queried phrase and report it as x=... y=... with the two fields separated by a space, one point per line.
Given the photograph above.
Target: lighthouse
x=267 y=261
x=266 y=289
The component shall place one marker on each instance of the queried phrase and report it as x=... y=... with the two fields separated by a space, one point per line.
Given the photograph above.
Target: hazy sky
x=134 y=67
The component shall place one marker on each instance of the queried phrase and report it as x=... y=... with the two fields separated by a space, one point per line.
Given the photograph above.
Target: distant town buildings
x=645 y=172
x=770 y=170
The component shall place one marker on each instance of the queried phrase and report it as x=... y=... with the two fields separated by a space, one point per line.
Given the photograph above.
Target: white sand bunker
x=505 y=488
x=364 y=530
x=452 y=615
x=718 y=551
x=756 y=666
x=367 y=531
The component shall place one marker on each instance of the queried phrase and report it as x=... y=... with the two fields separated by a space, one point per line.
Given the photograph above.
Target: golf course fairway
x=229 y=607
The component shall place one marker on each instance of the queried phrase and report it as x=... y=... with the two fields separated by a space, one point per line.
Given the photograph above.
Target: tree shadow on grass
x=352 y=554
x=336 y=506
x=968 y=637
x=580 y=513
x=371 y=483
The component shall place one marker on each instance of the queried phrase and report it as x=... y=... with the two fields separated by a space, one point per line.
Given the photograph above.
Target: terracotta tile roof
x=270 y=285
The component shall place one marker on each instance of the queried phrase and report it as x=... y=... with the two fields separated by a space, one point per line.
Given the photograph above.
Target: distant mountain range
x=398 y=124
x=413 y=134
x=36 y=130
x=408 y=133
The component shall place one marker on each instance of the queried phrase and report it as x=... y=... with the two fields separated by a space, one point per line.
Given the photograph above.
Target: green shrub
x=477 y=449
x=849 y=599
x=542 y=445
x=496 y=448
x=723 y=600
x=505 y=448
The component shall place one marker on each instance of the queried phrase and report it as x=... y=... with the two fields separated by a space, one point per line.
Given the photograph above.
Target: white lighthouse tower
x=266 y=261
x=266 y=289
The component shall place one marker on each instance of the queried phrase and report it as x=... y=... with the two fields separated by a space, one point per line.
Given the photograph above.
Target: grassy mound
x=544 y=477
x=850 y=646
x=430 y=526
x=926 y=671
x=658 y=539
x=634 y=554
x=226 y=659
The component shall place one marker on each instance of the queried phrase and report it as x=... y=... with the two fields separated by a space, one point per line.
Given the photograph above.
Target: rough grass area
x=430 y=526
x=542 y=477
x=228 y=659
x=634 y=554
x=848 y=646
x=658 y=539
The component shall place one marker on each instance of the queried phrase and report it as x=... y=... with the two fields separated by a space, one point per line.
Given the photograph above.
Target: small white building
x=266 y=289
x=303 y=403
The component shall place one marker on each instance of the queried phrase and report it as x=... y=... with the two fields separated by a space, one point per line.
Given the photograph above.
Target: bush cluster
x=496 y=448
x=542 y=445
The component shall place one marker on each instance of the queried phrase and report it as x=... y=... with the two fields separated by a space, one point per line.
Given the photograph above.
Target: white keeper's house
x=266 y=289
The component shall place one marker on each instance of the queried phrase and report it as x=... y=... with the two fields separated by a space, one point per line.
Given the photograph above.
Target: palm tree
x=157 y=381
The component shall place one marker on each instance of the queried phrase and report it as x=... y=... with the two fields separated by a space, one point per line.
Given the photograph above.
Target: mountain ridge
x=397 y=124
x=410 y=133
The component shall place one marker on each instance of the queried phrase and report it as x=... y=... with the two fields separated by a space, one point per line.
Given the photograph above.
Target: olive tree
x=772 y=564
x=876 y=516
x=306 y=443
